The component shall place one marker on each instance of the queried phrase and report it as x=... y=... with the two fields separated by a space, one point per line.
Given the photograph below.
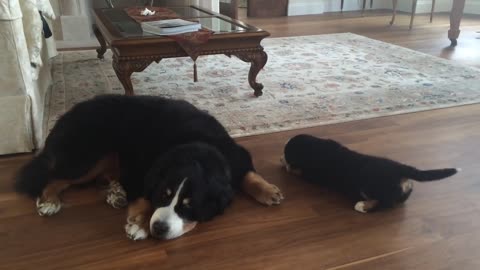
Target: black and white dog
x=172 y=163
x=373 y=182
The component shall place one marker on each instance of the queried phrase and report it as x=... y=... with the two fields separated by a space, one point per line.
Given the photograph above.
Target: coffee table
x=134 y=51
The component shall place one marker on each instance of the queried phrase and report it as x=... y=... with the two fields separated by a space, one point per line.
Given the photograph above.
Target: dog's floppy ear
x=216 y=196
x=151 y=182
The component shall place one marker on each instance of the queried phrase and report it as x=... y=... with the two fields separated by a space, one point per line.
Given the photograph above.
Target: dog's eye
x=169 y=192
x=186 y=202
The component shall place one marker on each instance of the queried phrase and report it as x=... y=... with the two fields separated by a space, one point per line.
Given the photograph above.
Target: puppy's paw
x=135 y=232
x=289 y=168
x=48 y=208
x=116 y=195
x=270 y=195
x=360 y=207
x=366 y=206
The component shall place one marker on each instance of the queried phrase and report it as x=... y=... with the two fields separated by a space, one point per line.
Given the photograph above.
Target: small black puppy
x=373 y=182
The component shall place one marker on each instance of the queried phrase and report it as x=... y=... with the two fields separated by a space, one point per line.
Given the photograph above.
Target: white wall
x=302 y=7
x=472 y=7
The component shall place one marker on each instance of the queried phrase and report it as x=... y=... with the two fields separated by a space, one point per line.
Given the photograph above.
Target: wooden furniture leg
x=363 y=7
x=414 y=10
x=341 y=5
x=258 y=59
x=103 y=45
x=395 y=4
x=455 y=19
x=431 y=12
x=125 y=68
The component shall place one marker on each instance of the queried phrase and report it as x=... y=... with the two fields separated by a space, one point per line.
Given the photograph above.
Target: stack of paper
x=170 y=27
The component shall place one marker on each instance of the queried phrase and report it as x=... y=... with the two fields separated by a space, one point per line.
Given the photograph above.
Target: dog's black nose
x=159 y=229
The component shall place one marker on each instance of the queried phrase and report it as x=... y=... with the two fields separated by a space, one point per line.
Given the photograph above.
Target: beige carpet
x=309 y=81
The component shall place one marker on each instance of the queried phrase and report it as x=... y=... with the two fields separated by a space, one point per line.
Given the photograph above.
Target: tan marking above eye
x=186 y=202
x=169 y=192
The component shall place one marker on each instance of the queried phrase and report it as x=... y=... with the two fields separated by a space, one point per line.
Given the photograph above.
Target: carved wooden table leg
x=455 y=18
x=125 y=68
x=103 y=45
x=258 y=59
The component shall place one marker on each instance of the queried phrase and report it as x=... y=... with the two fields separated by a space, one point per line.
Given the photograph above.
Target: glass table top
x=127 y=27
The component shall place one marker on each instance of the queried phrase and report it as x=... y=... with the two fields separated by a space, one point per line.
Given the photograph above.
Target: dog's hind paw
x=116 y=195
x=48 y=208
x=135 y=232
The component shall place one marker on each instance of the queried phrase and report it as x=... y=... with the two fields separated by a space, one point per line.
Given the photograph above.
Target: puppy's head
x=189 y=184
x=302 y=149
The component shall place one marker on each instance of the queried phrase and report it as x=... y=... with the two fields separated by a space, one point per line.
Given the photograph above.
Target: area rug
x=309 y=81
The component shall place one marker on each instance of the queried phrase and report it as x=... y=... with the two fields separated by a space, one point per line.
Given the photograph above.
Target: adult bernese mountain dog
x=176 y=164
x=373 y=182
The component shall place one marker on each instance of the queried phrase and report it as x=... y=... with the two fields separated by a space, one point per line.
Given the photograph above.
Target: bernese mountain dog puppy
x=173 y=164
x=373 y=182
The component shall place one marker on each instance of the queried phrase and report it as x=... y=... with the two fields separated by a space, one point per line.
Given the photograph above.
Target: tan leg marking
x=138 y=219
x=49 y=202
x=264 y=192
x=365 y=206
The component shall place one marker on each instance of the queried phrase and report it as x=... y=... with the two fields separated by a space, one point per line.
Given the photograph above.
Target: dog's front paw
x=261 y=190
x=48 y=208
x=270 y=195
x=135 y=232
x=116 y=195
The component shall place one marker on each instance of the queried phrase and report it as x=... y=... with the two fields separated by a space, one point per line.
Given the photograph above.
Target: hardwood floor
x=424 y=37
x=438 y=228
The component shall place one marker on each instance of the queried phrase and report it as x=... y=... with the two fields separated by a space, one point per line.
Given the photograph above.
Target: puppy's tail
x=33 y=176
x=428 y=175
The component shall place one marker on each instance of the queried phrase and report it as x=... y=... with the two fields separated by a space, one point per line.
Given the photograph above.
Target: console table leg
x=455 y=18
x=124 y=70
x=103 y=45
x=258 y=59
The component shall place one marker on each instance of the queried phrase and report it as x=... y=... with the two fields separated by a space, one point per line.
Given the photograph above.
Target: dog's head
x=189 y=184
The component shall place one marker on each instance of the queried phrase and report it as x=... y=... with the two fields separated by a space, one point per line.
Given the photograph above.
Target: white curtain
x=33 y=27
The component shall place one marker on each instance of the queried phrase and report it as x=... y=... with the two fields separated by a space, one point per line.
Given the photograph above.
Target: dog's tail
x=33 y=176
x=428 y=175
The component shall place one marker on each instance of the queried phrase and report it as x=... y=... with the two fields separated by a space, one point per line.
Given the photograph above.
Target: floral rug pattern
x=309 y=81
